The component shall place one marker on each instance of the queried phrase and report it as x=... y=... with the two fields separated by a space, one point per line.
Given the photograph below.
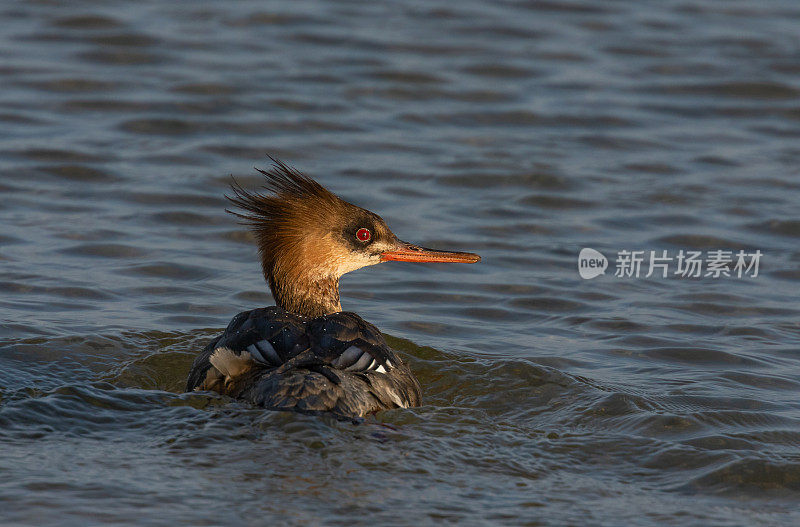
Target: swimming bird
x=306 y=354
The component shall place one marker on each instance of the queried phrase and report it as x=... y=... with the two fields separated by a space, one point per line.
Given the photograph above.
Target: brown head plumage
x=308 y=237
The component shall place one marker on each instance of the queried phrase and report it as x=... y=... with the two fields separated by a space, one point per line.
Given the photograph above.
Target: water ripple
x=521 y=131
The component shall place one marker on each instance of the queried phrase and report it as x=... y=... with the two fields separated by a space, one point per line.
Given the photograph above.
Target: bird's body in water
x=305 y=354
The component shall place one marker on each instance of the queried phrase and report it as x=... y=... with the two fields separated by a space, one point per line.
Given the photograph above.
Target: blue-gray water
x=521 y=131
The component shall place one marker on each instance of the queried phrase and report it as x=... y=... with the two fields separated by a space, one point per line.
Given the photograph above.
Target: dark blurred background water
x=520 y=130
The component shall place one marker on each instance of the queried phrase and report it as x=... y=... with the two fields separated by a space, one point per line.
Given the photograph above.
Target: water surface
x=521 y=131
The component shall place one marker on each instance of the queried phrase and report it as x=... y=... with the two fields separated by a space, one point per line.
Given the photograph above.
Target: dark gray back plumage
x=336 y=363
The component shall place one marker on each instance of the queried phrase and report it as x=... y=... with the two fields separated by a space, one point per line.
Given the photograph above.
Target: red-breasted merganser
x=306 y=354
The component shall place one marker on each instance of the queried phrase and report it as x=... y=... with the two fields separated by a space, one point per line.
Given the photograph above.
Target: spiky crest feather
x=291 y=224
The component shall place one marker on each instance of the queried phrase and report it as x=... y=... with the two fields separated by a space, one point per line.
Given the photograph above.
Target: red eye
x=363 y=235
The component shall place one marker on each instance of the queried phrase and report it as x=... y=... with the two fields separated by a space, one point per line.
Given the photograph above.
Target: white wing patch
x=360 y=360
x=229 y=363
